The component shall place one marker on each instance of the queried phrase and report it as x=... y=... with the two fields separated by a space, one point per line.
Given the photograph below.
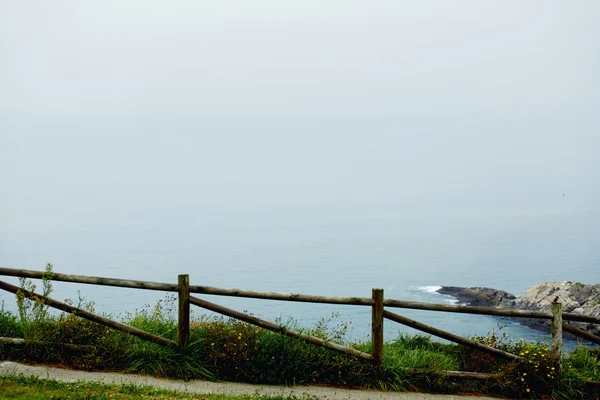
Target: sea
x=333 y=252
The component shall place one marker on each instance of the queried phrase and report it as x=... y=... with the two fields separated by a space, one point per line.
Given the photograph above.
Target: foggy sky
x=109 y=106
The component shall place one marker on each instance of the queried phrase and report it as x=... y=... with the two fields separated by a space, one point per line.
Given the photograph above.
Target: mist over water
x=318 y=147
x=328 y=253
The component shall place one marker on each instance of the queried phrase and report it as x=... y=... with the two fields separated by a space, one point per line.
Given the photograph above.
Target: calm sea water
x=408 y=254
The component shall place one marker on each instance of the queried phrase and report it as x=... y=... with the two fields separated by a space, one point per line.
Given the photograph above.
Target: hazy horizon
x=143 y=109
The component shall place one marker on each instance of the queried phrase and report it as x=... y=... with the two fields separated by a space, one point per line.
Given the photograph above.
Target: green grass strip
x=38 y=389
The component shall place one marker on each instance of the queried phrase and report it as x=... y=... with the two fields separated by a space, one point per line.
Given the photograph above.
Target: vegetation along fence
x=377 y=303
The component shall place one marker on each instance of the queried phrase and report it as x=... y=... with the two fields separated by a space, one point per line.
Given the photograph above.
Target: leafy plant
x=33 y=313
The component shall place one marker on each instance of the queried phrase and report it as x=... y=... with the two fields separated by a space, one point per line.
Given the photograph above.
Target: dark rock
x=574 y=296
x=477 y=296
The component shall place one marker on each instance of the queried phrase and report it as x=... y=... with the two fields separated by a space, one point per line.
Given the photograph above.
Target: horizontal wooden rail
x=90 y=280
x=415 y=305
x=277 y=328
x=448 y=336
x=169 y=287
x=23 y=342
x=453 y=374
x=360 y=301
x=581 y=318
x=581 y=333
x=592 y=385
x=88 y=315
x=307 y=298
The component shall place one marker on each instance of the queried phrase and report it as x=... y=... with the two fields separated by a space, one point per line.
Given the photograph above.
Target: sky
x=112 y=107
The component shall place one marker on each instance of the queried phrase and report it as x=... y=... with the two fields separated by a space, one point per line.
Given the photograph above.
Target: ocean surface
x=408 y=253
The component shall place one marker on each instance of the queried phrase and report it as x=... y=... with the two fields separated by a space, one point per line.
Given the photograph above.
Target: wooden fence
x=377 y=303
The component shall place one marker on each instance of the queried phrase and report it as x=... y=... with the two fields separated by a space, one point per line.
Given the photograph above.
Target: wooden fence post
x=557 y=336
x=377 y=327
x=183 y=328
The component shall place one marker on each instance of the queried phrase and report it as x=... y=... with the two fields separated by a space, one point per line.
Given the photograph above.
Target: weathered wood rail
x=23 y=342
x=295 y=297
x=377 y=303
x=278 y=328
x=87 y=315
x=448 y=336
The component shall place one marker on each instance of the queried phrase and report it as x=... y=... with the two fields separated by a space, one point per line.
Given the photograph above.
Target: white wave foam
x=451 y=301
x=429 y=289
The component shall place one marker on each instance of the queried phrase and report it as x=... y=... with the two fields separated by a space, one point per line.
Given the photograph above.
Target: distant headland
x=576 y=297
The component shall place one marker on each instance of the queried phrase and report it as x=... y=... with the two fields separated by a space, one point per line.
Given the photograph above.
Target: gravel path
x=8 y=368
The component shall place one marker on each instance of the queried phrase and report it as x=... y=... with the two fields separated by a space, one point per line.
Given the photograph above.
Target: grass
x=230 y=350
x=34 y=389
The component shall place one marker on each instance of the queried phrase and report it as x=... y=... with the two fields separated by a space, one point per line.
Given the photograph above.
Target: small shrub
x=34 y=313
x=228 y=346
x=9 y=324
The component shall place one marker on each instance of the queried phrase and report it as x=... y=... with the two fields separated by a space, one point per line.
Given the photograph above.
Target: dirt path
x=8 y=368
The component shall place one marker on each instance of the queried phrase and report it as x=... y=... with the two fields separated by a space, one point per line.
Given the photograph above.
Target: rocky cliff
x=575 y=297
x=477 y=296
